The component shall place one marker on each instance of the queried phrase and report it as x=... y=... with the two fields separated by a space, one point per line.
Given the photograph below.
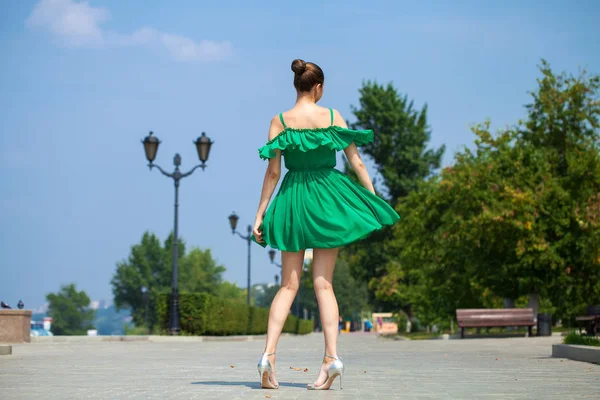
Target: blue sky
x=82 y=82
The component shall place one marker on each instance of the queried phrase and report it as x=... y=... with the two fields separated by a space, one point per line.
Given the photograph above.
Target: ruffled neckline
x=304 y=130
x=304 y=139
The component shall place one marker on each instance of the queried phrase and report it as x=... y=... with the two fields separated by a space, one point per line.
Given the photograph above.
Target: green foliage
x=203 y=314
x=149 y=266
x=351 y=294
x=305 y=326
x=402 y=135
x=199 y=273
x=229 y=290
x=576 y=338
x=402 y=158
x=69 y=310
x=135 y=330
x=518 y=215
x=258 y=318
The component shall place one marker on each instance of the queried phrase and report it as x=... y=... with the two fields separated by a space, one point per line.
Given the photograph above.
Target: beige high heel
x=335 y=369
x=265 y=370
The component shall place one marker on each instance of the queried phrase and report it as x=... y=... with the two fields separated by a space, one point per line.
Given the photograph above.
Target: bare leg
x=323 y=266
x=280 y=307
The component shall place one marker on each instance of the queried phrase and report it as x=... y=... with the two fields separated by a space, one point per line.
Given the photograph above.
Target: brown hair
x=306 y=75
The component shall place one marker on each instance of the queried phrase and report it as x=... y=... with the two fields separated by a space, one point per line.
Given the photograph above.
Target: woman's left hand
x=257 y=229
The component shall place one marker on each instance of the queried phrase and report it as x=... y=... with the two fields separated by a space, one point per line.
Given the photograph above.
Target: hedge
x=203 y=314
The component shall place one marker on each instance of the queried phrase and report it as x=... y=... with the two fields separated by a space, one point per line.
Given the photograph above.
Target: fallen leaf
x=305 y=369
x=268 y=396
x=364 y=372
x=296 y=369
x=497 y=359
x=232 y=366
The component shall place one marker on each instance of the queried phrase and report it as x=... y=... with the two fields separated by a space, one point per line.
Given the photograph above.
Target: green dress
x=317 y=206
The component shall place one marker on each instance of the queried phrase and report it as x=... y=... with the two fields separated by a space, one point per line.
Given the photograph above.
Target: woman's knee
x=320 y=284
x=291 y=284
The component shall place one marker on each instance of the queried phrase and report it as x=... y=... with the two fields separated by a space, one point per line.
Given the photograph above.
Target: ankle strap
x=268 y=354
x=334 y=357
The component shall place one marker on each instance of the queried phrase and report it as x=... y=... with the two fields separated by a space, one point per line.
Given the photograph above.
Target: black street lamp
x=203 y=145
x=233 y=220
x=272 y=258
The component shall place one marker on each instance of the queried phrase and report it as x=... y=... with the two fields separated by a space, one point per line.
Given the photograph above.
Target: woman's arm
x=354 y=157
x=270 y=181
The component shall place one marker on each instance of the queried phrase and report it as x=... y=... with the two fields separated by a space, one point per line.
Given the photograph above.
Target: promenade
x=376 y=368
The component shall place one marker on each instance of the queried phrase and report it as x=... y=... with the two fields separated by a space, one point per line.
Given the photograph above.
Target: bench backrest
x=496 y=314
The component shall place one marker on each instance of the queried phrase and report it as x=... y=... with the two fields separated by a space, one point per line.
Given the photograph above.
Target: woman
x=317 y=208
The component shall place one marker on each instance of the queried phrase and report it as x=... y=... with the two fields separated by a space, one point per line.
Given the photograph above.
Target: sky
x=82 y=82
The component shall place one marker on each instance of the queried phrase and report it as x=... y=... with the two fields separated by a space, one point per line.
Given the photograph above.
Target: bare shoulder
x=276 y=127
x=338 y=120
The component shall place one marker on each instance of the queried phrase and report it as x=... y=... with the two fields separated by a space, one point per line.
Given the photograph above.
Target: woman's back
x=307 y=116
x=306 y=121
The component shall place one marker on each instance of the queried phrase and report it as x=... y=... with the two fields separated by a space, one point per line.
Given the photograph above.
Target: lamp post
x=203 y=145
x=272 y=258
x=233 y=220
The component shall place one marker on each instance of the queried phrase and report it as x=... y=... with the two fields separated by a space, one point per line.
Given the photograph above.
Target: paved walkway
x=510 y=368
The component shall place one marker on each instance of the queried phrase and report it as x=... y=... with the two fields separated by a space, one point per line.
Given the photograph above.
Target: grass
x=576 y=338
x=420 y=335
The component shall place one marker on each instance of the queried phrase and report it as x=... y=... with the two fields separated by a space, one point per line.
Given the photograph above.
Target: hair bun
x=298 y=66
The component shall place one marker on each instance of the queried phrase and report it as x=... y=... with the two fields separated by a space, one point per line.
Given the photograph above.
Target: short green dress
x=317 y=206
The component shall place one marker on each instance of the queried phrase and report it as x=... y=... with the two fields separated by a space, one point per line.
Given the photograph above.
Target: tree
x=401 y=139
x=149 y=267
x=200 y=273
x=518 y=215
x=69 y=310
x=402 y=158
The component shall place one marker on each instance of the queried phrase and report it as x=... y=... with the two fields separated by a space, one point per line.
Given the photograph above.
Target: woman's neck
x=305 y=98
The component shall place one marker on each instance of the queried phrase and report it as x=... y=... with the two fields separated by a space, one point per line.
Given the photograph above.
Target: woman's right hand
x=257 y=231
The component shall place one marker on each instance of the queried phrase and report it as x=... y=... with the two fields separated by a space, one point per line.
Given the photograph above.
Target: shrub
x=257 y=320
x=576 y=338
x=291 y=324
x=305 y=326
x=203 y=314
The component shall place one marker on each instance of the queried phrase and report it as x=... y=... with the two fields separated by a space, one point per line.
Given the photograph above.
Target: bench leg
x=530 y=330
x=462 y=333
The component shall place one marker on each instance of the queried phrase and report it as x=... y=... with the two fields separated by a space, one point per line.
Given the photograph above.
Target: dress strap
x=331 y=114
x=282 y=121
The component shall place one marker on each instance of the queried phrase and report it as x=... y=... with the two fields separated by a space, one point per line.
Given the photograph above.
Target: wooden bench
x=590 y=321
x=500 y=317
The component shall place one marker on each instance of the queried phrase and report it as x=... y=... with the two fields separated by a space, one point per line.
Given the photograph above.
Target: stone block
x=15 y=326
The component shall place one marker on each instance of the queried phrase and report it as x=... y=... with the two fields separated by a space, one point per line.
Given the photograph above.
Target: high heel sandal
x=335 y=369
x=265 y=370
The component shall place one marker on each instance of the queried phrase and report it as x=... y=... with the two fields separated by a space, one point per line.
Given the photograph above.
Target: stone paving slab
x=376 y=368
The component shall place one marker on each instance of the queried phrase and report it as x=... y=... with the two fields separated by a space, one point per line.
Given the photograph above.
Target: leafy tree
x=69 y=310
x=518 y=215
x=402 y=159
x=200 y=273
x=229 y=290
x=149 y=267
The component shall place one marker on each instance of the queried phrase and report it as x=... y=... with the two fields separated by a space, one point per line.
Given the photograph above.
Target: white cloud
x=78 y=24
